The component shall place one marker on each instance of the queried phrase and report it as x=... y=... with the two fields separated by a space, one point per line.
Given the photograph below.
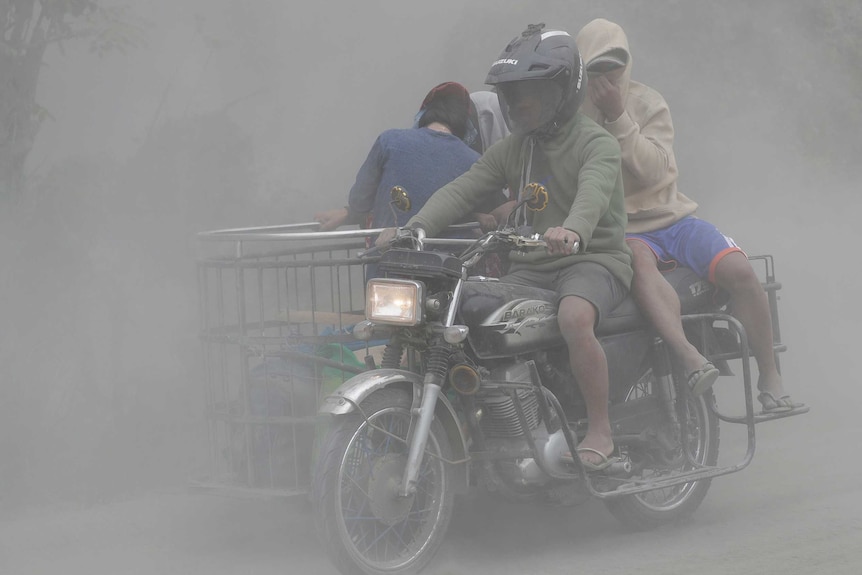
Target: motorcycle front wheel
x=700 y=437
x=364 y=524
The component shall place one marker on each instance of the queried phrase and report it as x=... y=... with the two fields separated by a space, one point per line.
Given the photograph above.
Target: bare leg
x=658 y=301
x=577 y=319
x=734 y=274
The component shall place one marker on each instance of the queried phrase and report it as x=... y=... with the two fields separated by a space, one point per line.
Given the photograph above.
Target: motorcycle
x=474 y=389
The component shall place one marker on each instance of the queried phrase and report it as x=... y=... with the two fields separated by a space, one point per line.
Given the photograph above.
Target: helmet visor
x=528 y=105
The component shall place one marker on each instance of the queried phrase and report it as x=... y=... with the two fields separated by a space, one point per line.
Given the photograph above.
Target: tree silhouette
x=28 y=28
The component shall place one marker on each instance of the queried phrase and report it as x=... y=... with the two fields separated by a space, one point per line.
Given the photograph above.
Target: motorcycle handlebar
x=506 y=237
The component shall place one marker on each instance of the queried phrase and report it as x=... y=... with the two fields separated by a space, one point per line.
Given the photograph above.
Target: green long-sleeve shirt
x=579 y=166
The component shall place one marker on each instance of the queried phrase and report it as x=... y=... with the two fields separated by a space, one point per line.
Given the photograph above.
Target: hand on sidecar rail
x=398 y=237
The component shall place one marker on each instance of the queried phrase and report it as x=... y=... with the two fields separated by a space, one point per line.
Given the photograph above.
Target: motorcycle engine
x=500 y=417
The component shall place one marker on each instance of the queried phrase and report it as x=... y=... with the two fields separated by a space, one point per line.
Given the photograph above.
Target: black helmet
x=545 y=69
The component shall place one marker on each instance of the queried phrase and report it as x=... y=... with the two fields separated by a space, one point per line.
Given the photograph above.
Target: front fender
x=353 y=391
x=360 y=386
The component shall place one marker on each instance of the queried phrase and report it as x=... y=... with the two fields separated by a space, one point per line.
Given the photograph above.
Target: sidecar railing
x=767 y=269
x=277 y=308
x=737 y=347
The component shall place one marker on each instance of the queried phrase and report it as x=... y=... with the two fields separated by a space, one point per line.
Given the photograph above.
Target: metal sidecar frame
x=700 y=327
x=277 y=308
x=737 y=348
x=277 y=305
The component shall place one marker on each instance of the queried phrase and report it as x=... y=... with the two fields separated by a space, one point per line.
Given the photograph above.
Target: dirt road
x=797 y=509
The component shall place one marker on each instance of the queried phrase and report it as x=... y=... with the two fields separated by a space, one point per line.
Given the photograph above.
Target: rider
x=574 y=165
x=663 y=232
x=420 y=160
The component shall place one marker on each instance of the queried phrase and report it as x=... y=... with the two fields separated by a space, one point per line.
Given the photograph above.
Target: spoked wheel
x=700 y=437
x=364 y=524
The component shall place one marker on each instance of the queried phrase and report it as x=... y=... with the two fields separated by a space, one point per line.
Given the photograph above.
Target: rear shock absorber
x=663 y=372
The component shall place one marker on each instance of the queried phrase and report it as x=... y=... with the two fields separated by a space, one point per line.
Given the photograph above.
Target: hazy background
x=250 y=113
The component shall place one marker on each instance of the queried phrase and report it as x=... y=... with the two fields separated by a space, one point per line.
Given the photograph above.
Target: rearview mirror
x=536 y=197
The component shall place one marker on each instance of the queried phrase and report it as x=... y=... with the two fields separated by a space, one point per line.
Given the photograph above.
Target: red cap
x=447 y=90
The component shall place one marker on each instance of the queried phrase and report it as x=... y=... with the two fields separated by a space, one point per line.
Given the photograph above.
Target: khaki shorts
x=588 y=280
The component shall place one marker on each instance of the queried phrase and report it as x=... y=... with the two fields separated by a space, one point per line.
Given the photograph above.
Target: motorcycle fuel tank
x=506 y=319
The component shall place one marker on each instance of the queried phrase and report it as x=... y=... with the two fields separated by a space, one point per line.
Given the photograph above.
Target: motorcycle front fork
x=436 y=369
x=421 y=426
x=419 y=437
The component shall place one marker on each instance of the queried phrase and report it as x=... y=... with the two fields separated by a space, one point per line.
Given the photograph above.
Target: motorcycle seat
x=482 y=300
x=696 y=295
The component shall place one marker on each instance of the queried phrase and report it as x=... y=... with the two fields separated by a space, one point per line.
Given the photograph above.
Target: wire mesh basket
x=277 y=307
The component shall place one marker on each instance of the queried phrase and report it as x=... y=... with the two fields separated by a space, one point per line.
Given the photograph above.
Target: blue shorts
x=690 y=242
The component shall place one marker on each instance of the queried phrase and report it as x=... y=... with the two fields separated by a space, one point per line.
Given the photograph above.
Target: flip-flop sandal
x=591 y=467
x=788 y=401
x=772 y=404
x=702 y=379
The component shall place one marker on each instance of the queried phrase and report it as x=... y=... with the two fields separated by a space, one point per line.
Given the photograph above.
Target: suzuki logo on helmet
x=505 y=61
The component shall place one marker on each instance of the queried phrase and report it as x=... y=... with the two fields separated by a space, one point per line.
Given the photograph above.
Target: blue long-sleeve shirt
x=420 y=160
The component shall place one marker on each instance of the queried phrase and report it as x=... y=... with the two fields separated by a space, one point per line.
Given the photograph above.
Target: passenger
x=662 y=229
x=419 y=160
x=488 y=120
x=492 y=128
x=487 y=127
x=575 y=165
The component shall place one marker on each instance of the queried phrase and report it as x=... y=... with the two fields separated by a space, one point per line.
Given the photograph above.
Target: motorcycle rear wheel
x=363 y=524
x=661 y=506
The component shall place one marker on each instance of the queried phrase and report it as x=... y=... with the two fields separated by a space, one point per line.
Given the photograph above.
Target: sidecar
x=277 y=307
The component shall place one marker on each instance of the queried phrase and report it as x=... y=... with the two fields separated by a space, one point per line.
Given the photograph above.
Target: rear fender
x=354 y=391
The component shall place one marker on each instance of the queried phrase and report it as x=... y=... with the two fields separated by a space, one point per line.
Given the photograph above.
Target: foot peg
x=621 y=468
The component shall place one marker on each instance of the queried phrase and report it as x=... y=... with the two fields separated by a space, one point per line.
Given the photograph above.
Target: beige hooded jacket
x=645 y=134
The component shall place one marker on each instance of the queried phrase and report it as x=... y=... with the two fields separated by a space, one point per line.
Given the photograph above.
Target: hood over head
x=604 y=46
x=488 y=119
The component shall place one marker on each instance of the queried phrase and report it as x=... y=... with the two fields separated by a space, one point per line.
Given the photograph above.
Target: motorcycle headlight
x=394 y=301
